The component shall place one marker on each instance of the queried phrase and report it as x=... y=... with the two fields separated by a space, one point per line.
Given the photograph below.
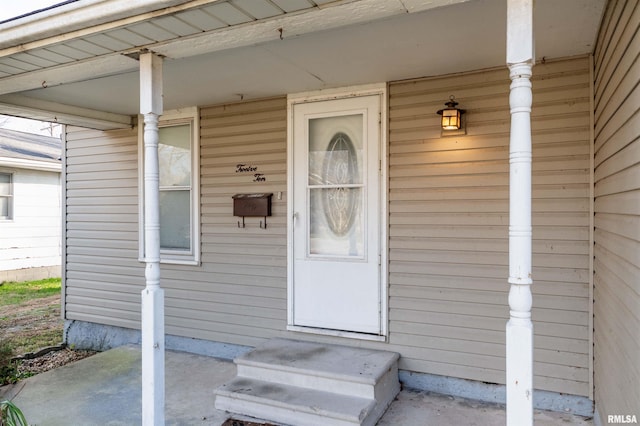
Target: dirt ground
x=34 y=321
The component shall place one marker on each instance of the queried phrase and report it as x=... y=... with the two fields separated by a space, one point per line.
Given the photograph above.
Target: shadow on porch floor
x=105 y=390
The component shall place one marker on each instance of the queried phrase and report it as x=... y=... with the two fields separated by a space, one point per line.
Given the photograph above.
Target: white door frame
x=325 y=95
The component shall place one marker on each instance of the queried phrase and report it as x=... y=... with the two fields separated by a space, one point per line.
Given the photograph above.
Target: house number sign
x=248 y=168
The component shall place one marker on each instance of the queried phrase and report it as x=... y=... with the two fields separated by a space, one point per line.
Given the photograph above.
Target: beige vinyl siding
x=448 y=226
x=239 y=293
x=617 y=212
x=103 y=278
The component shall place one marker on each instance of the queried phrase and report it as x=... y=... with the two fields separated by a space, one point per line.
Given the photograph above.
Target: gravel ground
x=52 y=360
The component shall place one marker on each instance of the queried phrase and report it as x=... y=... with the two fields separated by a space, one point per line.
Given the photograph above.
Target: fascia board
x=22 y=106
x=19 y=163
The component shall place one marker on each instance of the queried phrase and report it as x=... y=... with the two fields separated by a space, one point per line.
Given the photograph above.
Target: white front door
x=336 y=215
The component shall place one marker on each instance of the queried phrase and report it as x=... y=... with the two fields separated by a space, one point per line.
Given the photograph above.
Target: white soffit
x=182 y=31
x=248 y=48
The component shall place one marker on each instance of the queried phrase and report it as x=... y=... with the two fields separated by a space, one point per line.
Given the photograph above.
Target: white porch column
x=152 y=295
x=519 y=334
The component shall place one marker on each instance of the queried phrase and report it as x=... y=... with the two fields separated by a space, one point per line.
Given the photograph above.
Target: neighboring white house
x=30 y=212
x=391 y=233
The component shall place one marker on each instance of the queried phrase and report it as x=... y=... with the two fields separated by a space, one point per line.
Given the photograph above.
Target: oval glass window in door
x=340 y=203
x=335 y=185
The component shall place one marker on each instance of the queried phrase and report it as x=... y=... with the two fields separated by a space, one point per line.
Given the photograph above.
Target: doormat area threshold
x=234 y=422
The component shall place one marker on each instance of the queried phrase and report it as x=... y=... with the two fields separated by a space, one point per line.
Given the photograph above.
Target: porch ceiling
x=220 y=51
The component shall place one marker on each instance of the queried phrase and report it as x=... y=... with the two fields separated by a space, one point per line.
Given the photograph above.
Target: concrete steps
x=302 y=383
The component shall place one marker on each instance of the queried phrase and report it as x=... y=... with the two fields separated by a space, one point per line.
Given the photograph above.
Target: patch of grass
x=12 y=293
x=29 y=321
x=34 y=340
x=6 y=352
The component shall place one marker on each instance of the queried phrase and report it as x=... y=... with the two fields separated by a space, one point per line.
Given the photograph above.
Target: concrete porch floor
x=105 y=390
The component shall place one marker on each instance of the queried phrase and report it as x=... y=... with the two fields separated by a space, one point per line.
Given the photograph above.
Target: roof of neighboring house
x=27 y=150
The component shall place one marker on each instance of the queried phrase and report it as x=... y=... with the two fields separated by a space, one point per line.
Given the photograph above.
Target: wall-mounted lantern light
x=451 y=116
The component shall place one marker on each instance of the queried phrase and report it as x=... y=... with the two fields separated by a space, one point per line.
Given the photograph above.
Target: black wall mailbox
x=253 y=205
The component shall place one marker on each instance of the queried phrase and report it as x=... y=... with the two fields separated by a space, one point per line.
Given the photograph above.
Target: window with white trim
x=6 y=196
x=174 y=156
x=178 y=161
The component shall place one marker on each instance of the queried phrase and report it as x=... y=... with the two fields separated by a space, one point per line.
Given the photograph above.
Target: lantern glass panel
x=451 y=119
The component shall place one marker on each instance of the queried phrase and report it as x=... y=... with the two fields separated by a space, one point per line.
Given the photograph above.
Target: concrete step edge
x=286 y=370
x=297 y=400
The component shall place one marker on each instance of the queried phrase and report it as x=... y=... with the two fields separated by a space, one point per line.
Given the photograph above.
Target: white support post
x=152 y=295
x=519 y=330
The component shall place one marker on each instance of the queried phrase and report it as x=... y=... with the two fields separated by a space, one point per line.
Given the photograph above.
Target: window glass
x=4 y=207
x=175 y=223
x=174 y=157
x=334 y=155
x=5 y=184
x=335 y=185
x=5 y=195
